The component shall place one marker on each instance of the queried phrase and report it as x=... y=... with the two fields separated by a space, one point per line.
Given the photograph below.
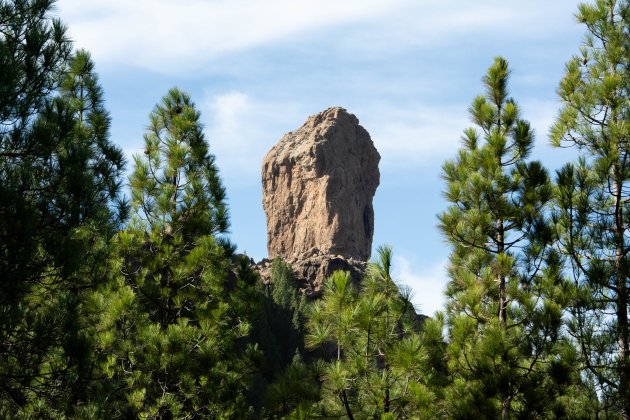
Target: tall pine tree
x=380 y=365
x=170 y=327
x=593 y=194
x=505 y=297
x=59 y=184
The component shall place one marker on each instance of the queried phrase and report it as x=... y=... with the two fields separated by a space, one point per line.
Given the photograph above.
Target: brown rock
x=311 y=271
x=318 y=184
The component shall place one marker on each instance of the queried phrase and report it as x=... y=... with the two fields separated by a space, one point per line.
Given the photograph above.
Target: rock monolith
x=318 y=184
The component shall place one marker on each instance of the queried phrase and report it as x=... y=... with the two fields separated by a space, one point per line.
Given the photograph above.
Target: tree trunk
x=622 y=344
x=344 y=399
x=622 y=300
x=500 y=275
x=505 y=409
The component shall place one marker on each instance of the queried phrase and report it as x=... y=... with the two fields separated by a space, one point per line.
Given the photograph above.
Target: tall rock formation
x=318 y=184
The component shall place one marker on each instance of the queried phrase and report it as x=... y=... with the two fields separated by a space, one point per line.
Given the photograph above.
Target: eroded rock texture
x=318 y=183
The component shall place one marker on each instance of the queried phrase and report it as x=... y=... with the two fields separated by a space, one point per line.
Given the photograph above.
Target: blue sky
x=408 y=69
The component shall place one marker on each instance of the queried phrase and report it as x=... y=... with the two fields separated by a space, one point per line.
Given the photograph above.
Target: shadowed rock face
x=318 y=183
x=311 y=272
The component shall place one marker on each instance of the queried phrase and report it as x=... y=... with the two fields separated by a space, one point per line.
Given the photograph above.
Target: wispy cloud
x=241 y=129
x=451 y=24
x=418 y=135
x=430 y=134
x=174 y=37
x=165 y=36
x=428 y=283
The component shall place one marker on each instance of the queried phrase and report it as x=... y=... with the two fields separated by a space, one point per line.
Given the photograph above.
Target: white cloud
x=167 y=36
x=180 y=36
x=130 y=152
x=438 y=23
x=227 y=113
x=428 y=135
x=419 y=135
x=241 y=129
x=428 y=283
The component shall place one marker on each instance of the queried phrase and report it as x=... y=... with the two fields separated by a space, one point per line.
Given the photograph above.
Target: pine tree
x=505 y=298
x=592 y=195
x=283 y=309
x=293 y=386
x=171 y=326
x=59 y=182
x=278 y=329
x=380 y=363
x=33 y=52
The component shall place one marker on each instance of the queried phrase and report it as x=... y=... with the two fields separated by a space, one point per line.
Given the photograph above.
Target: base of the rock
x=310 y=272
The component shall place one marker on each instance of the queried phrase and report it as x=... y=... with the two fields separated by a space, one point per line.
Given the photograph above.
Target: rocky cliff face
x=318 y=184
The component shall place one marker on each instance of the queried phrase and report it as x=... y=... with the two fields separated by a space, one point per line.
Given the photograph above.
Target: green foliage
x=294 y=391
x=33 y=51
x=170 y=328
x=158 y=319
x=506 y=296
x=59 y=182
x=279 y=331
x=279 y=327
x=175 y=185
x=591 y=196
x=380 y=364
